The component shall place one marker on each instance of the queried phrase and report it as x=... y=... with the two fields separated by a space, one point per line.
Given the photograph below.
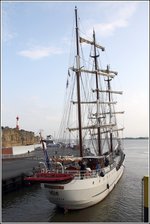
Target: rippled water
x=123 y=204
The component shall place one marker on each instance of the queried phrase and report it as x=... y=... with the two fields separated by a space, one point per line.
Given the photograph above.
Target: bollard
x=145 y=197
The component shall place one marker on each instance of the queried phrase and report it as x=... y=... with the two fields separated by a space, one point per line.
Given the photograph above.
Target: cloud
x=118 y=17
x=39 y=52
x=107 y=29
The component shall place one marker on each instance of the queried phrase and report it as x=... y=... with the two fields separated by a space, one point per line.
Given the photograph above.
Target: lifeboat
x=50 y=178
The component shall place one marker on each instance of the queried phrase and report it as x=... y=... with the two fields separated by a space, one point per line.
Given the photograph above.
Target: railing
x=77 y=173
x=82 y=174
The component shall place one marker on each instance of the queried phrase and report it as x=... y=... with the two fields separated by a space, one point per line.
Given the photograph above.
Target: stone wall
x=14 y=137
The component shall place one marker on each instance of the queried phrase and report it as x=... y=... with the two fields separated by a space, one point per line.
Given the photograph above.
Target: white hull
x=83 y=193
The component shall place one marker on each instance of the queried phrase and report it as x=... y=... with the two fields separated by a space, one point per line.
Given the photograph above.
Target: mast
x=78 y=83
x=97 y=94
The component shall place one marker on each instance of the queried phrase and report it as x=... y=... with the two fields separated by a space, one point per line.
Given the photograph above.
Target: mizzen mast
x=110 y=111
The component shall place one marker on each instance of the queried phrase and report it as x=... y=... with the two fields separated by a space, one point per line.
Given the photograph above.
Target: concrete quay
x=14 y=171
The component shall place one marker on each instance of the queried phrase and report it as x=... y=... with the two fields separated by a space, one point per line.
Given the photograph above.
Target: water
x=123 y=204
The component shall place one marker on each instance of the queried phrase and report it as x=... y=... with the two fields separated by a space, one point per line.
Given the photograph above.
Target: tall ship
x=89 y=122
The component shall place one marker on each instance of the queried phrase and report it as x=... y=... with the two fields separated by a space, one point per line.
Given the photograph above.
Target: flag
x=68 y=72
x=47 y=159
x=47 y=162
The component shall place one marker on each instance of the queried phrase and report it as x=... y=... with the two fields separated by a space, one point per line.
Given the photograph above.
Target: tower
x=17 y=121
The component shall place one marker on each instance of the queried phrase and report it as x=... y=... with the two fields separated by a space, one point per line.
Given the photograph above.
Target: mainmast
x=97 y=94
x=78 y=73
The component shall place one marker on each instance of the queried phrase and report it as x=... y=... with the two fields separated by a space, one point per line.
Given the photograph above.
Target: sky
x=36 y=52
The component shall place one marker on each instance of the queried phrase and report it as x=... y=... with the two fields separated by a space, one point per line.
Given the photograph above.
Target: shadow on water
x=26 y=205
x=17 y=196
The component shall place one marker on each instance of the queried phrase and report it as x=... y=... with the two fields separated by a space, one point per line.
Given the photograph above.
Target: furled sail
x=93 y=127
x=83 y=40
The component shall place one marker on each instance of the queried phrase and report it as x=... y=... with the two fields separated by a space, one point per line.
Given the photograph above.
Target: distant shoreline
x=138 y=138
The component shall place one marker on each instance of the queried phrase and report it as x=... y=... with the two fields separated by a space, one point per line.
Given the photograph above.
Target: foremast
x=78 y=74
